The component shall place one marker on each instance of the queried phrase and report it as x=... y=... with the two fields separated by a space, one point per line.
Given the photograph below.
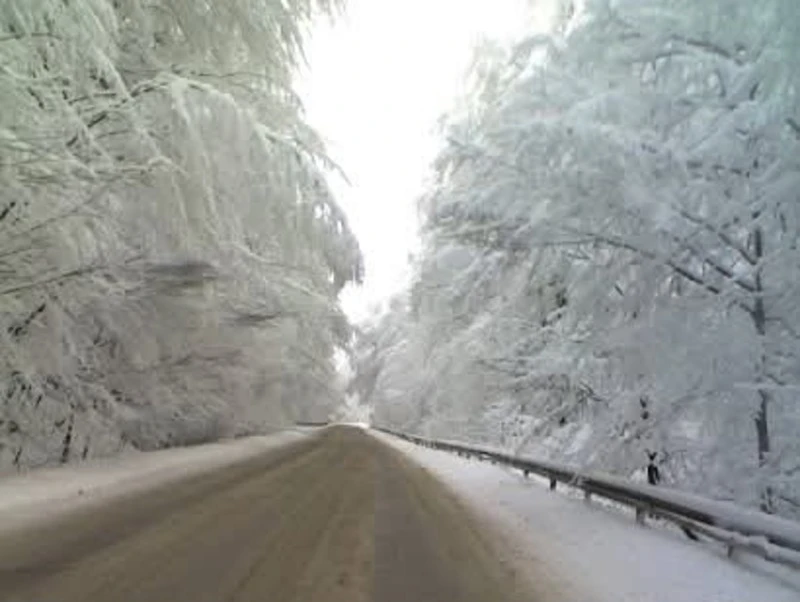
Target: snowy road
x=338 y=516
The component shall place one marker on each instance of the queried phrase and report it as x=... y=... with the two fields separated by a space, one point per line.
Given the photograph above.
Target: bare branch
x=83 y=271
x=709 y=48
x=726 y=239
x=681 y=270
x=715 y=265
x=104 y=114
x=33 y=34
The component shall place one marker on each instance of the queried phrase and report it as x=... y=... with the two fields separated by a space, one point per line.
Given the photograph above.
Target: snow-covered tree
x=612 y=246
x=171 y=253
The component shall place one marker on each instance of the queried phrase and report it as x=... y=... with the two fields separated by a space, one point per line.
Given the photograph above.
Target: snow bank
x=594 y=553
x=38 y=494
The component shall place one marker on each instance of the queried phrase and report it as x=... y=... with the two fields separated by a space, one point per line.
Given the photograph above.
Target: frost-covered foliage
x=171 y=254
x=611 y=262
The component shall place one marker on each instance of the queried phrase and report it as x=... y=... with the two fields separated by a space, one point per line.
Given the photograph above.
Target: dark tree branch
x=83 y=271
x=679 y=269
x=715 y=265
x=105 y=113
x=725 y=238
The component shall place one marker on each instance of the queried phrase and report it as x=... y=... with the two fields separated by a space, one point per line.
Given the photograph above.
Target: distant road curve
x=335 y=517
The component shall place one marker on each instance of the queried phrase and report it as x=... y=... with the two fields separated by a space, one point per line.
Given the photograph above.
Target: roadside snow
x=593 y=552
x=30 y=497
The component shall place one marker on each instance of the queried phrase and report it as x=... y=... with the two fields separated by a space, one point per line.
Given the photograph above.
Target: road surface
x=338 y=517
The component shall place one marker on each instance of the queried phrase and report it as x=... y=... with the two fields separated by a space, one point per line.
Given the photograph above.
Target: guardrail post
x=552 y=484
x=587 y=496
x=640 y=515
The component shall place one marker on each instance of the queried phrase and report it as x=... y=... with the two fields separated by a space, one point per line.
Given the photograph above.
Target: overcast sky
x=378 y=80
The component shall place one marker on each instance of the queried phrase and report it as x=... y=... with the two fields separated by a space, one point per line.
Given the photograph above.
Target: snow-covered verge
x=49 y=492
x=595 y=552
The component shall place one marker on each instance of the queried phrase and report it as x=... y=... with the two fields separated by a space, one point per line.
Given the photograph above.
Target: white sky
x=379 y=79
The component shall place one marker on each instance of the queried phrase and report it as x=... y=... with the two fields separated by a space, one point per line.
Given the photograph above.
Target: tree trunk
x=762 y=415
x=67 y=444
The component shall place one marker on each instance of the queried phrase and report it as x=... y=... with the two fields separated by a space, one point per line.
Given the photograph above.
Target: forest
x=610 y=262
x=170 y=249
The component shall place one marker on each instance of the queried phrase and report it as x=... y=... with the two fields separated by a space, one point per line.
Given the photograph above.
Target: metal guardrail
x=773 y=538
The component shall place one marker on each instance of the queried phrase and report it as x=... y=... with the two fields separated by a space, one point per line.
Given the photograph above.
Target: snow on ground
x=29 y=497
x=594 y=552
